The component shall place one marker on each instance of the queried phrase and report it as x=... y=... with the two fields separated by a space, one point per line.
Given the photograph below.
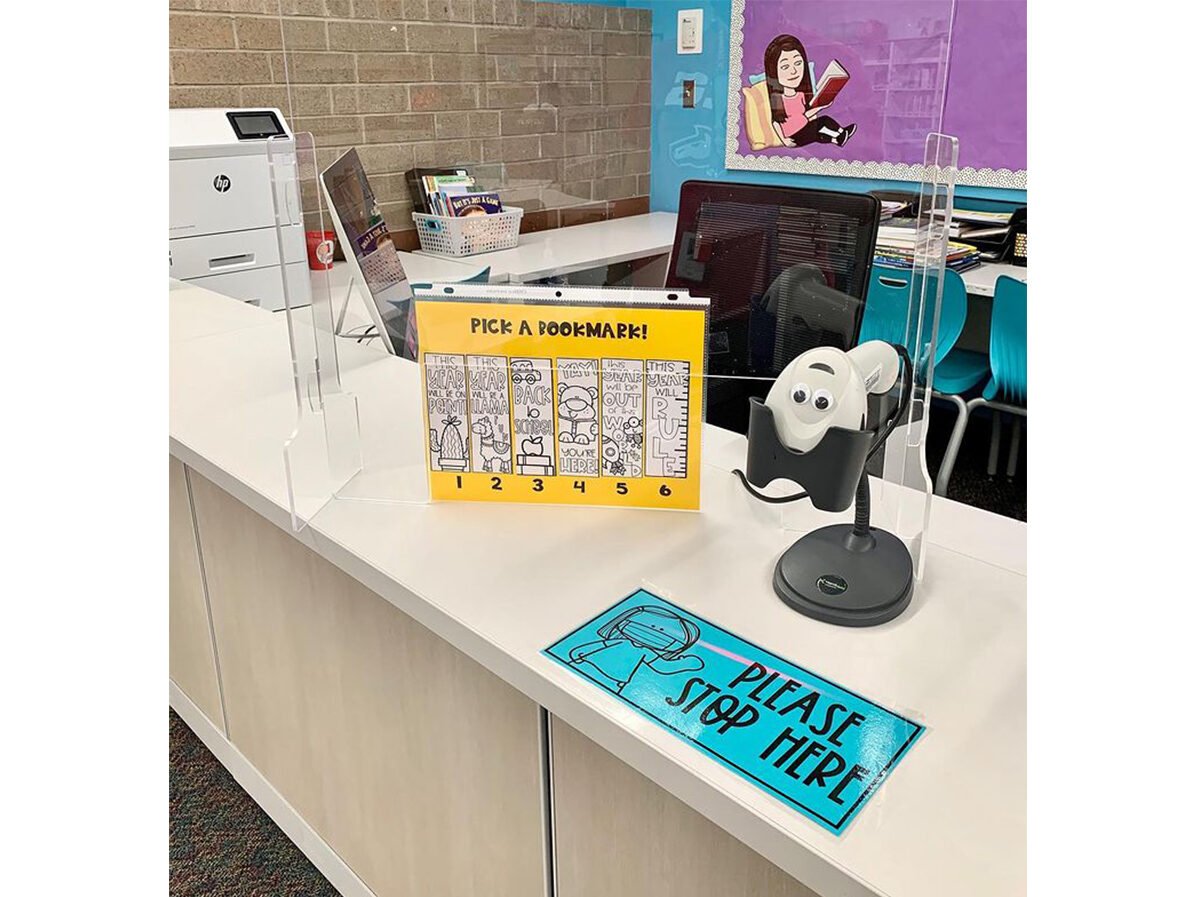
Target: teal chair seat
x=960 y=371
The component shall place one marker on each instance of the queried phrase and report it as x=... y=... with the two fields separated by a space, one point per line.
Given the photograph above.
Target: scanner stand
x=845 y=574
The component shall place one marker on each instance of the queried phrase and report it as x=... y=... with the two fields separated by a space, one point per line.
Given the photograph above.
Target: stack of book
x=451 y=193
x=897 y=244
x=988 y=232
x=890 y=208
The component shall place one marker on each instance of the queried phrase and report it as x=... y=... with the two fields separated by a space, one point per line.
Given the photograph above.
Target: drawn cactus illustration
x=452 y=452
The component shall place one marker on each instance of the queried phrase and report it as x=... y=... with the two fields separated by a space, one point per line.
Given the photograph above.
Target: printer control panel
x=255 y=124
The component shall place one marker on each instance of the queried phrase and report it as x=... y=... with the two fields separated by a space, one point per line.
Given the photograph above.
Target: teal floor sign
x=803 y=739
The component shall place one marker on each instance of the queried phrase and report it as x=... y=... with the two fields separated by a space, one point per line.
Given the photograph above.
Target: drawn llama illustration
x=492 y=448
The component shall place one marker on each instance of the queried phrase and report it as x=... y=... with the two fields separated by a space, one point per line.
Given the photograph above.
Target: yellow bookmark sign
x=589 y=404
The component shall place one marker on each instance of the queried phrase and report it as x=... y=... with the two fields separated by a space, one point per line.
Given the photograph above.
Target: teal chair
x=955 y=371
x=886 y=313
x=1007 y=390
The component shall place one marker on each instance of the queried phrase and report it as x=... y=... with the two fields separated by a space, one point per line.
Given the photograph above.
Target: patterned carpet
x=970 y=483
x=222 y=843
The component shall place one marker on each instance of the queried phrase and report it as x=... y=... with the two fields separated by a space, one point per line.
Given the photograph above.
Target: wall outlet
x=690 y=37
x=689 y=94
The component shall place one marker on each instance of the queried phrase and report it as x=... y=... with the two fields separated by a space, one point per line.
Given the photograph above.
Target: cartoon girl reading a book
x=795 y=111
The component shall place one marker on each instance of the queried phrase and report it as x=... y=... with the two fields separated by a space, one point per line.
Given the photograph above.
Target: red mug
x=320 y=249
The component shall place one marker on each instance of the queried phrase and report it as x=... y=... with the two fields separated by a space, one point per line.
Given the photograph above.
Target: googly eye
x=801 y=393
x=822 y=400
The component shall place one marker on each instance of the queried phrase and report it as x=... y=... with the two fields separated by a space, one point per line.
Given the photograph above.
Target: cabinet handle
x=231 y=261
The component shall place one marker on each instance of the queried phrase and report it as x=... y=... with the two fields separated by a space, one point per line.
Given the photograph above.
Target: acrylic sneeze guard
x=374 y=443
x=901 y=486
x=328 y=456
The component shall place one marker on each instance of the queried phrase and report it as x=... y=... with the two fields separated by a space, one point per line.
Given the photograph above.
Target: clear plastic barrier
x=333 y=343
x=907 y=489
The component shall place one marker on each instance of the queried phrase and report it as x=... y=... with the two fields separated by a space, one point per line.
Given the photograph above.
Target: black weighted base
x=837 y=577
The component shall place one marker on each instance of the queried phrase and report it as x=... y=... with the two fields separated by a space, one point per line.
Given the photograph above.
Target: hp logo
x=221 y=183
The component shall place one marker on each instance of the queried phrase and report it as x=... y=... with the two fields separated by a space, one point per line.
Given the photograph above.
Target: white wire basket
x=470 y=235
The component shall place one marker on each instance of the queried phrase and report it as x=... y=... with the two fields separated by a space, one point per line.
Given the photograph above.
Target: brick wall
x=547 y=102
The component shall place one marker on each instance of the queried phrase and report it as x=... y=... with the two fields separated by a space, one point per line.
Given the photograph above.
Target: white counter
x=565 y=250
x=981 y=281
x=950 y=821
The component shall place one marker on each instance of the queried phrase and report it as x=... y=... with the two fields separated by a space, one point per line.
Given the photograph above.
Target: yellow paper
x=563 y=403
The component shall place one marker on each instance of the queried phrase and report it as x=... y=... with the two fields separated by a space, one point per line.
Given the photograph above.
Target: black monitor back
x=785 y=268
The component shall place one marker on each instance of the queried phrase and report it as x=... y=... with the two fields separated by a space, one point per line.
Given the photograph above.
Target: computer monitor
x=785 y=269
x=370 y=252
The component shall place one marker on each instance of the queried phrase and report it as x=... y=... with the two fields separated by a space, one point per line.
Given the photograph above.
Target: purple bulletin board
x=915 y=66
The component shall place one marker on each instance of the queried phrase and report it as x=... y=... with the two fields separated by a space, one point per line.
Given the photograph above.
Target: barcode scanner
x=826 y=387
x=812 y=430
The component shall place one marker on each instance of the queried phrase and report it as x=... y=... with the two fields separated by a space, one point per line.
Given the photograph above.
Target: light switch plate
x=690 y=36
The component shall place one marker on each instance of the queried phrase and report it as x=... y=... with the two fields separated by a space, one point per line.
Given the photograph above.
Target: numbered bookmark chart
x=583 y=400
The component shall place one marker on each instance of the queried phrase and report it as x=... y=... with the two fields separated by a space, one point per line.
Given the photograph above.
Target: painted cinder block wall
x=547 y=102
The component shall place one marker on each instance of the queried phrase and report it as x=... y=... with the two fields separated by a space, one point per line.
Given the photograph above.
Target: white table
x=950 y=821
x=565 y=250
x=981 y=281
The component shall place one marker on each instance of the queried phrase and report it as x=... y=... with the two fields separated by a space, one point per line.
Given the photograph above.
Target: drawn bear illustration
x=577 y=405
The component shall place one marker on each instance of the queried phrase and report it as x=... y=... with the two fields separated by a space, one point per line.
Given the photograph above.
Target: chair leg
x=952 y=447
x=994 y=450
x=1014 y=447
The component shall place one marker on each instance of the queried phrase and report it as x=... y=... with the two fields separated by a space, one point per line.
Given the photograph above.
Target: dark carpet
x=222 y=843
x=970 y=482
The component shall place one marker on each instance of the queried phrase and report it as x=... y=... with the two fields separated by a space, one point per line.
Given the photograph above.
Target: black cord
x=769 y=499
x=905 y=398
x=863 y=502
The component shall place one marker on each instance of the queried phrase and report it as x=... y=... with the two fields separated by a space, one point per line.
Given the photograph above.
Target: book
x=438 y=187
x=416 y=178
x=979 y=233
x=976 y=216
x=835 y=78
x=475 y=204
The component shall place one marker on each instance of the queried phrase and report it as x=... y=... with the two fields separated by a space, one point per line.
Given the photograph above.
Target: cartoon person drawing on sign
x=649 y=636
x=795 y=109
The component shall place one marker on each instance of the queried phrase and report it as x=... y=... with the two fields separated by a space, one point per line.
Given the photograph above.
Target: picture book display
x=563 y=396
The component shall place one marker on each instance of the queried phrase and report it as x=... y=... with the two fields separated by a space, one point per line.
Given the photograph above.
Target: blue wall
x=699 y=134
